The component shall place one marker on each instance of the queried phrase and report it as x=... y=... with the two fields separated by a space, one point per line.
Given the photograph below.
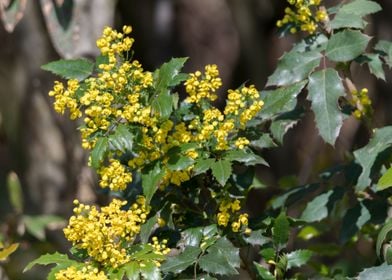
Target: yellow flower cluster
x=229 y=212
x=86 y=273
x=65 y=98
x=362 y=102
x=201 y=87
x=105 y=233
x=160 y=248
x=305 y=15
x=115 y=176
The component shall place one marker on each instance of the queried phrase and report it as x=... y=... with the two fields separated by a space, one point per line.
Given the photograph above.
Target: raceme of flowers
x=361 y=101
x=105 y=233
x=229 y=214
x=122 y=92
x=87 y=272
x=304 y=15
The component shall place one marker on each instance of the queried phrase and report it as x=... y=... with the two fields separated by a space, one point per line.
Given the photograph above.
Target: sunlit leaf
x=78 y=69
x=346 y=45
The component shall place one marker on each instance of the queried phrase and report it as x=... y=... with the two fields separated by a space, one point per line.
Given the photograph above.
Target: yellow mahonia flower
x=86 y=273
x=362 y=102
x=115 y=176
x=229 y=213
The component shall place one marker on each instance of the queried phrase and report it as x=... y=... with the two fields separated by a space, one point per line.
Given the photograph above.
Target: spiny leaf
x=163 y=104
x=375 y=65
x=385 y=47
x=284 y=122
x=151 y=179
x=78 y=69
x=192 y=236
x=169 y=74
x=281 y=230
x=98 y=152
x=263 y=273
x=203 y=165
x=132 y=270
x=325 y=87
x=147 y=227
x=347 y=20
x=383 y=271
x=353 y=221
x=150 y=271
x=298 y=258
x=122 y=139
x=346 y=45
x=361 y=7
x=257 y=238
x=367 y=155
x=385 y=181
x=46 y=259
x=294 y=67
x=245 y=156
x=179 y=263
x=221 y=170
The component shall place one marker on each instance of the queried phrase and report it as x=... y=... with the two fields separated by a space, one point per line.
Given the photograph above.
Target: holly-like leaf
x=294 y=67
x=264 y=142
x=263 y=273
x=281 y=230
x=181 y=262
x=257 y=238
x=78 y=69
x=293 y=195
x=385 y=48
x=347 y=20
x=245 y=156
x=151 y=179
x=367 y=155
x=179 y=162
x=353 y=221
x=222 y=258
x=346 y=45
x=221 y=170
x=132 y=270
x=361 y=7
x=46 y=259
x=147 y=228
x=122 y=139
x=150 y=271
x=383 y=271
x=163 y=104
x=382 y=236
x=298 y=258
x=169 y=74
x=192 y=236
x=284 y=122
x=325 y=87
x=203 y=165
x=280 y=100
x=36 y=225
x=98 y=152
x=5 y=252
x=385 y=181
x=375 y=65
x=319 y=207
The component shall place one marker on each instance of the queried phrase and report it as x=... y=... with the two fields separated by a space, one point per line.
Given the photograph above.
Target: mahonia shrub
x=179 y=168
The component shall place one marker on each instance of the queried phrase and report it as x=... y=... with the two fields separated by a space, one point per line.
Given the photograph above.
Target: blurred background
x=40 y=150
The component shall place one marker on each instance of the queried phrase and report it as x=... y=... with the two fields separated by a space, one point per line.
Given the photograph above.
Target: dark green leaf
x=192 y=236
x=325 y=87
x=280 y=100
x=263 y=273
x=383 y=272
x=381 y=238
x=268 y=254
x=385 y=181
x=264 y=142
x=298 y=258
x=169 y=73
x=36 y=225
x=203 y=165
x=353 y=221
x=163 y=104
x=245 y=156
x=122 y=139
x=150 y=271
x=281 y=230
x=257 y=238
x=179 y=263
x=151 y=179
x=366 y=156
x=294 y=67
x=375 y=65
x=78 y=69
x=346 y=45
x=221 y=170
x=46 y=259
x=385 y=47
x=132 y=270
x=293 y=195
x=179 y=162
x=98 y=152
x=147 y=228
x=284 y=123
x=15 y=192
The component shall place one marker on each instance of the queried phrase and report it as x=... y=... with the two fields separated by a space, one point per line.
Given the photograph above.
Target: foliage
x=181 y=168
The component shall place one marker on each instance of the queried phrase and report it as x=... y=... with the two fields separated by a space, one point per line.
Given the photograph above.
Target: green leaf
x=151 y=179
x=375 y=65
x=361 y=7
x=245 y=156
x=221 y=170
x=150 y=271
x=294 y=67
x=78 y=69
x=382 y=236
x=55 y=258
x=116 y=273
x=132 y=270
x=179 y=162
x=280 y=100
x=203 y=165
x=281 y=125
x=192 y=236
x=181 y=262
x=5 y=252
x=385 y=47
x=122 y=139
x=98 y=152
x=281 y=230
x=385 y=181
x=263 y=273
x=319 y=207
x=169 y=74
x=367 y=155
x=308 y=232
x=383 y=272
x=293 y=195
x=268 y=253
x=298 y=258
x=347 y=20
x=36 y=225
x=353 y=221
x=346 y=45
x=222 y=258
x=325 y=87
x=163 y=104
x=264 y=142
x=15 y=192
x=257 y=238
x=147 y=228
